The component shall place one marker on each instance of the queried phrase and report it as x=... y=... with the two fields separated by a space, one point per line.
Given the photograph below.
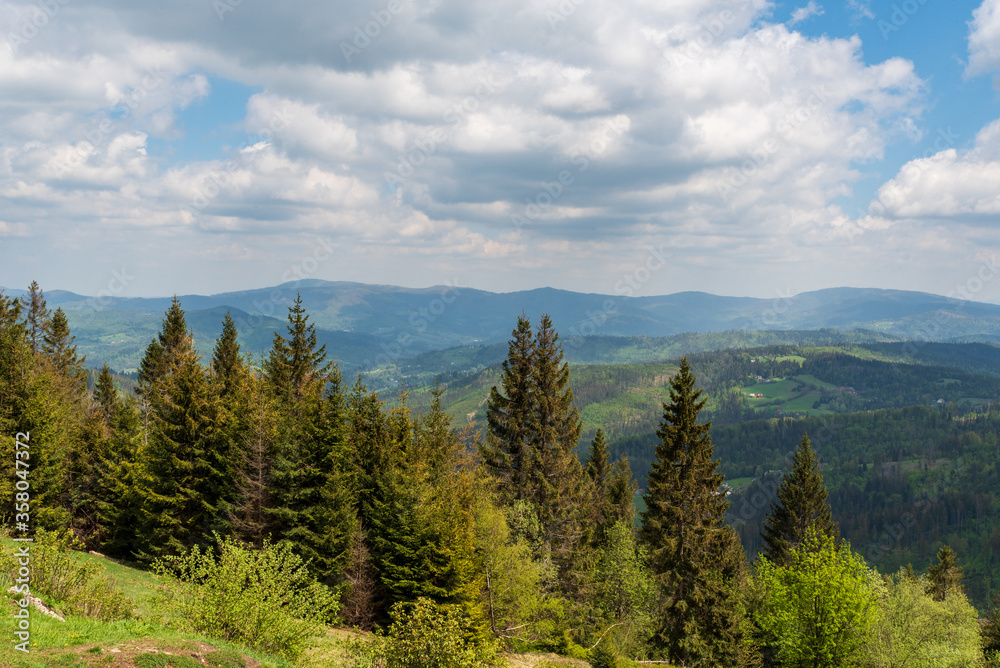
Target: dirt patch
x=146 y=653
x=539 y=660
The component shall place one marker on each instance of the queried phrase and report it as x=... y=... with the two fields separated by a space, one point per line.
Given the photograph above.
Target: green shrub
x=605 y=657
x=425 y=635
x=563 y=645
x=62 y=578
x=266 y=598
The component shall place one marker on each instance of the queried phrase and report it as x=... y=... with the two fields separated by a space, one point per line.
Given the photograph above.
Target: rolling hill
x=366 y=326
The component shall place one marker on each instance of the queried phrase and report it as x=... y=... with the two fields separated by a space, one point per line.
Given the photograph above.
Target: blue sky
x=767 y=148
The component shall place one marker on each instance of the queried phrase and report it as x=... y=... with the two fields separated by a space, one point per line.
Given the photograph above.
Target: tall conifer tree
x=189 y=483
x=36 y=316
x=508 y=416
x=801 y=503
x=227 y=364
x=695 y=558
x=944 y=577
x=555 y=476
x=58 y=346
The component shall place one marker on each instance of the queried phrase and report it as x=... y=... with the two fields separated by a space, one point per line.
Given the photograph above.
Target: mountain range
x=365 y=325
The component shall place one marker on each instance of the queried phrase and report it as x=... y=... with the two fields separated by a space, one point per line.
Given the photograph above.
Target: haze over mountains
x=363 y=324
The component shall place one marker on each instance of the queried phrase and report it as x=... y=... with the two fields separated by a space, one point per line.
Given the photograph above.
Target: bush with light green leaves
x=426 y=635
x=915 y=631
x=820 y=611
x=265 y=599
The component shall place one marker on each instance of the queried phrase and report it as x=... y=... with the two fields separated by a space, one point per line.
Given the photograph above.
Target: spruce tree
x=86 y=473
x=801 y=503
x=598 y=467
x=259 y=437
x=944 y=577
x=620 y=491
x=120 y=499
x=227 y=364
x=555 y=476
x=58 y=346
x=508 y=415
x=991 y=629
x=297 y=362
x=167 y=350
x=36 y=316
x=324 y=519
x=613 y=488
x=695 y=558
x=188 y=472
x=309 y=487
x=106 y=394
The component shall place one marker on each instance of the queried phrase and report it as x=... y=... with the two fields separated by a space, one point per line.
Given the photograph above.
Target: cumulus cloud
x=512 y=132
x=802 y=13
x=950 y=184
x=984 y=39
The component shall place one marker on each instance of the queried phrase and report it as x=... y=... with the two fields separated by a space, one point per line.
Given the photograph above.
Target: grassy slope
x=145 y=642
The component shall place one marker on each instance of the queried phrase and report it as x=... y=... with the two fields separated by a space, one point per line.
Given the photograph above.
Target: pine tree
x=36 y=316
x=801 y=503
x=945 y=576
x=58 y=347
x=695 y=558
x=508 y=416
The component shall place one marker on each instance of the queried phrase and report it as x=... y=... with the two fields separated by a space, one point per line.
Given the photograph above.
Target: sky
x=738 y=147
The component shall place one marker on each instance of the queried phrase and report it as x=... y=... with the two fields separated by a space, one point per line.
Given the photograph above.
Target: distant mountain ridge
x=364 y=324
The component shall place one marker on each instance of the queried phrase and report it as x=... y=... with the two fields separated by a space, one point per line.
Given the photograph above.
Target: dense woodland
x=502 y=528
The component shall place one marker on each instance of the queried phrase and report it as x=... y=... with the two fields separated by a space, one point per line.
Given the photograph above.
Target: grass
x=145 y=642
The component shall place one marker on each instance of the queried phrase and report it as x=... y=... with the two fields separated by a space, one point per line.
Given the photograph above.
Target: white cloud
x=803 y=13
x=984 y=39
x=861 y=8
x=652 y=109
x=949 y=184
